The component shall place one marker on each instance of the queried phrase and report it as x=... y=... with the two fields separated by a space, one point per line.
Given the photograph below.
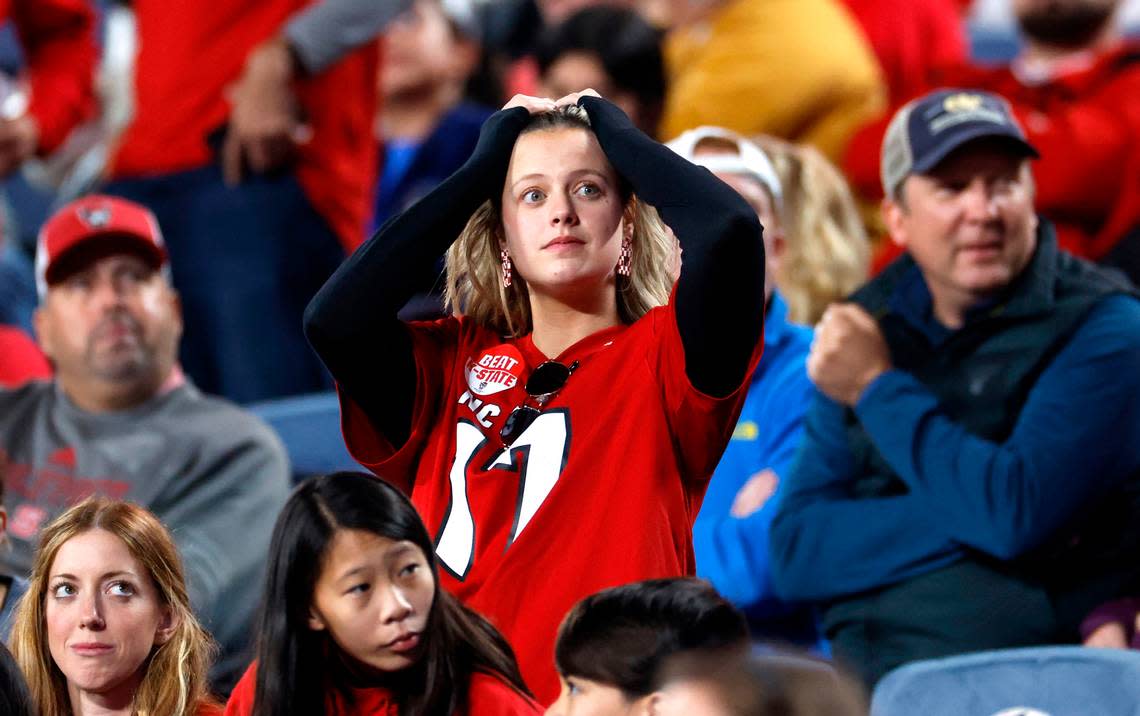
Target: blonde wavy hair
x=474 y=268
x=827 y=255
x=175 y=680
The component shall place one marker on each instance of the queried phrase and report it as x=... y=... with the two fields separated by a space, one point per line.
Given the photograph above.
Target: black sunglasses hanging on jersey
x=541 y=387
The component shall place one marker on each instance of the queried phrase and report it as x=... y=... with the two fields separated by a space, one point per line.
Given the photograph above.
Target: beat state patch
x=497 y=370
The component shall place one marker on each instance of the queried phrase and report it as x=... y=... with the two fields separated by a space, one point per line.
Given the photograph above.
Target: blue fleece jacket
x=1077 y=435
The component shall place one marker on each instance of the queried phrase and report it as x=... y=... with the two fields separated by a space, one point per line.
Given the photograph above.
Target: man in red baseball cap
x=96 y=221
x=121 y=420
x=108 y=319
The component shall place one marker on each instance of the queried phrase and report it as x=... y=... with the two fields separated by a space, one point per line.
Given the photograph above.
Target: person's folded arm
x=825 y=543
x=1077 y=436
x=732 y=553
x=731 y=546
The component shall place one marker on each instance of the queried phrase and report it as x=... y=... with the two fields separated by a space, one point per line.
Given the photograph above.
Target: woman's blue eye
x=122 y=589
x=532 y=196
x=588 y=190
x=63 y=590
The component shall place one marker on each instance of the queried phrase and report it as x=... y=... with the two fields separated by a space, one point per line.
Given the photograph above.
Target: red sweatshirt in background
x=20 y=359
x=1085 y=123
x=912 y=38
x=58 y=41
x=190 y=52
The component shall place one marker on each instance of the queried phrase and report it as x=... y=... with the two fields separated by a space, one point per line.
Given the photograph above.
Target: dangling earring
x=506 y=258
x=625 y=258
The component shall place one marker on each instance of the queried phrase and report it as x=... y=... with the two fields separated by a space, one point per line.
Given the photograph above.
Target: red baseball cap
x=94 y=218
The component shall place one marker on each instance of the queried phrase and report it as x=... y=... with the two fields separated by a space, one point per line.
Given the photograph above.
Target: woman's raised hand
x=534 y=105
x=538 y=105
x=573 y=97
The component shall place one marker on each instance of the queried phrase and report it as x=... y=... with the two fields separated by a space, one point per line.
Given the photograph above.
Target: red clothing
x=58 y=40
x=912 y=38
x=521 y=77
x=601 y=490
x=487 y=696
x=190 y=52
x=1085 y=124
x=20 y=359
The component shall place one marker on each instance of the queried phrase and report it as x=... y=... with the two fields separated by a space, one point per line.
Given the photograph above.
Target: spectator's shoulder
x=28 y=396
x=1106 y=344
x=219 y=419
x=1112 y=324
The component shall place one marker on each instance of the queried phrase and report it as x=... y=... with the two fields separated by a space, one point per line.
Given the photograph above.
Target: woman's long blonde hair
x=827 y=255
x=175 y=680
x=474 y=267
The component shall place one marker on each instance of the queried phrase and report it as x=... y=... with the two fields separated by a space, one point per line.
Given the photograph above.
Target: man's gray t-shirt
x=215 y=475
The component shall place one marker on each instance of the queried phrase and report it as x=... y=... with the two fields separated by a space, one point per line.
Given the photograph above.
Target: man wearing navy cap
x=970 y=473
x=121 y=420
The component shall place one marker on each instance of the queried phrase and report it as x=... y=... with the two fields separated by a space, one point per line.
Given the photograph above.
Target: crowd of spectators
x=938 y=451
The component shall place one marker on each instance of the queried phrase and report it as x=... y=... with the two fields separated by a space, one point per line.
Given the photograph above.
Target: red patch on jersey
x=496 y=370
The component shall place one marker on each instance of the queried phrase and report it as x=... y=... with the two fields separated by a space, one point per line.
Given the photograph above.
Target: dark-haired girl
x=353 y=620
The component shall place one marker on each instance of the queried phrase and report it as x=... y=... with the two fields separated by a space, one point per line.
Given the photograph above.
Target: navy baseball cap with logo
x=105 y=220
x=926 y=130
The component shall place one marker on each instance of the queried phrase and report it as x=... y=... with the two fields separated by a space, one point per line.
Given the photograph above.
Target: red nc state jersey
x=600 y=490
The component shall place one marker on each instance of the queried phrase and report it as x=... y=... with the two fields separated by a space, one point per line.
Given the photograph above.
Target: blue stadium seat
x=1039 y=681
x=309 y=425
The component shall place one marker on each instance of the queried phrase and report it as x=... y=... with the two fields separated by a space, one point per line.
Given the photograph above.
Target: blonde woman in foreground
x=106 y=625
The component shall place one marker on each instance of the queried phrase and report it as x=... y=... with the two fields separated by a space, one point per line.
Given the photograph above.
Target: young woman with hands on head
x=557 y=433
